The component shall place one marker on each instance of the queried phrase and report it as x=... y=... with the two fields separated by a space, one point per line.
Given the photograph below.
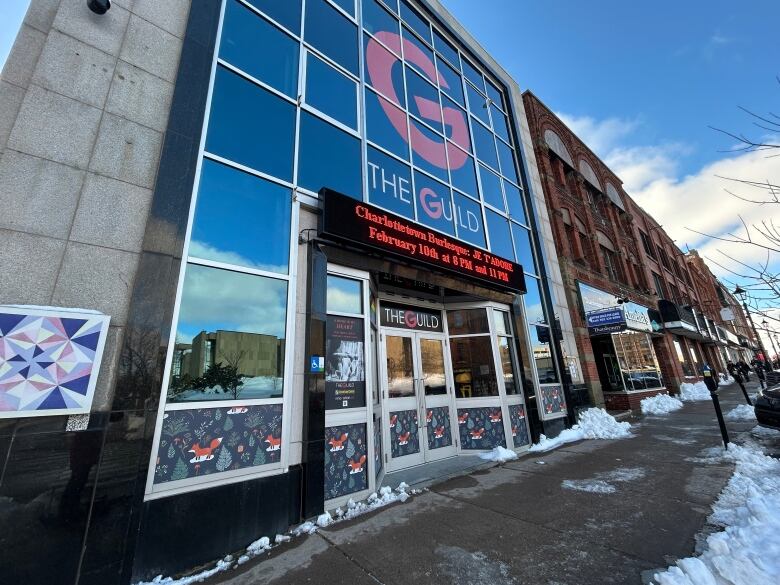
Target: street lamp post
x=742 y=294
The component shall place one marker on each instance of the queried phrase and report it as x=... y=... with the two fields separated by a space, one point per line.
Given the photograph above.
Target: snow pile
x=660 y=404
x=499 y=455
x=742 y=412
x=694 y=392
x=746 y=551
x=725 y=379
x=385 y=496
x=594 y=423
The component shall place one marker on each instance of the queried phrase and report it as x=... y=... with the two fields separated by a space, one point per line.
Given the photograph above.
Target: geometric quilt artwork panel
x=204 y=441
x=49 y=360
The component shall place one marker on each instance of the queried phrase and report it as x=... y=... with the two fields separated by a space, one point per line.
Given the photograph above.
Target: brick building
x=646 y=316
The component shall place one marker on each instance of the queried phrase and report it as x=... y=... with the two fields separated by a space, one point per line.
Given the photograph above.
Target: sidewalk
x=528 y=522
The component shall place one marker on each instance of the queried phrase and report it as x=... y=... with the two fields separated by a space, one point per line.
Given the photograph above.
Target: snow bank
x=594 y=423
x=694 y=392
x=745 y=552
x=499 y=455
x=660 y=404
x=741 y=412
x=383 y=497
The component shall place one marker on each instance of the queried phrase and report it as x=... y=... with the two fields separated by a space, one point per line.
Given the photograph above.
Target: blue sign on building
x=605 y=317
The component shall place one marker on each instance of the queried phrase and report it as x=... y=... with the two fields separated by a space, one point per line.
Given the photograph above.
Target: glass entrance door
x=417 y=398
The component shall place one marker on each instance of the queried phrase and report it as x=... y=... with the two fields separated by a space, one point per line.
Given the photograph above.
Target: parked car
x=767 y=407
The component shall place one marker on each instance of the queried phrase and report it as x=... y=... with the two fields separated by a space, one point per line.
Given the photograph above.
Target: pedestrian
x=735 y=373
x=758 y=366
x=744 y=369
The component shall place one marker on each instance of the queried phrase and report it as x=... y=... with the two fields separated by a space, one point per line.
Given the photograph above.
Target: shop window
x=610 y=263
x=328 y=157
x=477 y=104
x=259 y=48
x=380 y=131
x=241 y=219
x=491 y=188
x=428 y=150
x=230 y=336
x=464 y=177
x=331 y=92
x=434 y=204
x=445 y=49
x=400 y=370
x=514 y=200
x=468 y=220
x=541 y=347
x=345 y=295
x=500 y=122
x=450 y=81
x=467 y=321
x=390 y=183
x=423 y=100
x=473 y=75
x=377 y=19
x=524 y=253
x=506 y=158
x=287 y=13
x=331 y=33
x=505 y=341
x=413 y=18
x=484 y=144
x=534 y=311
x=473 y=367
x=660 y=289
x=251 y=126
x=638 y=364
x=685 y=363
x=647 y=244
x=500 y=238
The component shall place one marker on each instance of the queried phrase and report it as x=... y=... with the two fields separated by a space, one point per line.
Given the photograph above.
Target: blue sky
x=11 y=15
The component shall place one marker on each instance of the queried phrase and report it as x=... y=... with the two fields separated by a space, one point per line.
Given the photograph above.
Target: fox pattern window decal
x=519 y=428
x=214 y=440
x=346 y=460
x=481 y=428
x=404 y=434
x=437 y=422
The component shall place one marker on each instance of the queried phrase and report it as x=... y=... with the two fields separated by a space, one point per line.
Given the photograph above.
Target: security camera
x=99 y=6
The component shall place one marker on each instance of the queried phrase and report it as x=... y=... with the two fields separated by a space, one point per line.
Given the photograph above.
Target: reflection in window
x=466 y=321
x=287 y=13
x=332 y=33
x=525 y=256
x=411 y=17
x=463 y=177
x=542 y=352
x=500 y=122
x=514 y=200
x=637 y=360
x=508 y=365
x=473 y=367
x=450 y=81
x=328 y=157
x=484 y=144
x=375 y=55
x=390 y=183
x=423 y=99
x=376 y=18
x=501 y=322
x=347 y=6
x=400 y=374
x=251 y=126
x=241 y=219
x=468 y=218
x=230 y=337
x=428 y=150
x=380 y=131
x=331 y=92
x=491 y=188
x=507 y=159
x=418 y=62
x=495 y=96
x=477 y=104
x=434 y=203
x=474 y=76
x=259 y=48
x=345 y=295
x=533 y=302
x=498 y=230
x=445 y=48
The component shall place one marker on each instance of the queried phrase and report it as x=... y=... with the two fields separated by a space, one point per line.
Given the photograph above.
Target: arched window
x=614 y=196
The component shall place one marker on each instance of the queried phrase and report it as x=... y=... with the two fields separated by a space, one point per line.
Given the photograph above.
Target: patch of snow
x=744 y=552
x=305 y=528
x=741 y=412
x=595 y=486
x=324 y=519
x=594 y=423
x=222 y=565
x=694 y=392
x=499 y=455
x=660 y=404
x=280 y=538
x=258 y=546
x=764 y=432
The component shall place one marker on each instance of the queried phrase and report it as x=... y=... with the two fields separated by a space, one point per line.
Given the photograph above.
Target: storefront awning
x=679 y=320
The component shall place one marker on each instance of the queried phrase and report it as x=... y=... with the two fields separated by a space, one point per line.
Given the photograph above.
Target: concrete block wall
x=84 y=102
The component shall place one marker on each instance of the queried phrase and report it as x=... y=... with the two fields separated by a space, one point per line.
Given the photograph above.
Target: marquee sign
x=355 y=221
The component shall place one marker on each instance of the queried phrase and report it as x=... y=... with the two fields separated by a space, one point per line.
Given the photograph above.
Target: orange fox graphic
x=238 y=410
x=476 y=434
x=428 y=416
x=338 y=444
x=514 y=431
x=495 y=417
x=462 y=418
x=204 y=453
x=273 y=444
x=438 y=433
x=404 y=439
x=356 y=466
x=393 y=420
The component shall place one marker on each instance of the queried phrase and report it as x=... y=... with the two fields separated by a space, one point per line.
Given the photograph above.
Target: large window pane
x=484 y=144
x=286 y=13
x=542 y=352
x=514 y=199
x=332 y=33
x=500 y=122
x=495 y=95
x=524 y=254
x=477 y=104
x=241 y=219
x=428 y=150
x=377 y=62
x=390 y=183
x=331 y=92
x=500 y=240
x=462 y=172
x=445 y=49
x=468 y=219
x=450 y=81
x=251 y=126
x=466 y=321
x=473 y=367
x=423 y=100
x=491 y=188
x=230 y=338
x=534 y=310
x=434 y=204
x=456 y=126
x=400 y=370
x=328 y=157
x=390 y=135
x=418 y=55
x=507 y=159
x=413 y=18
x=471 y=73
x=254 y=45
x=377 y=19
x=347 y=6
x=508 y=365
x=345 y=295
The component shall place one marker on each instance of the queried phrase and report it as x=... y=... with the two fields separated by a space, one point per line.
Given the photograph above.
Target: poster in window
x=345 y=367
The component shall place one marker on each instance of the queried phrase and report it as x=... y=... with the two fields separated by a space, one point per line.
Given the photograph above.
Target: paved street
x=518 y=524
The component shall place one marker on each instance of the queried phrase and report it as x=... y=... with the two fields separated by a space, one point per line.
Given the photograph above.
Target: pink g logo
x=431 y=203
x=410 y=318
x=380 y=66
